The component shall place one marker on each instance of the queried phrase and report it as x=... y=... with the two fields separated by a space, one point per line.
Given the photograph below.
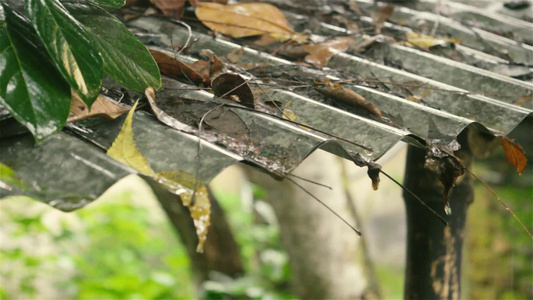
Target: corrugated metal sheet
x=70 y=169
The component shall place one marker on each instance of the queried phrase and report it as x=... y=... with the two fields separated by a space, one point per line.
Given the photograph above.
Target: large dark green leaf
x=69 y=45
x=109 y=4
x=30 y=85
x=126 y=59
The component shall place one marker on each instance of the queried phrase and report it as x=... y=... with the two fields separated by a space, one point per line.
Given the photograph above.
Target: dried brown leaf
x=319 y=54
x=234 y=87
x=176 y=69
x=247 y=19
x=514 y=153
x=341 y=94
x=380 y=15
x=102 y=107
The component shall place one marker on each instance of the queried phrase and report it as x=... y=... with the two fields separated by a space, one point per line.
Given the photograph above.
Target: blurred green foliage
x=256 y=230
x=116 y=250
x=119 y=248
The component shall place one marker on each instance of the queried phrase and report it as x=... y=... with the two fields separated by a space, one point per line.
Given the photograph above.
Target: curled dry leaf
x=373 y=172
x=247 y=19
x=514 y=153
x=102 y=107
x=234 y=87
x=319 y=54
x=173 y=68
x=380 y=15
x=425 y=41
x=210 y=68
x=341 y=94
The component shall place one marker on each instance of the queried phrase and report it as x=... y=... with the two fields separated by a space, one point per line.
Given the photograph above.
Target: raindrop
x=448 y=209
x=369 y=152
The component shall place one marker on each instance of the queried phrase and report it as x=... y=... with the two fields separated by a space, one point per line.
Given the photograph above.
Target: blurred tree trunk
x=221 y=252
x=434 y=251
x=321 y=248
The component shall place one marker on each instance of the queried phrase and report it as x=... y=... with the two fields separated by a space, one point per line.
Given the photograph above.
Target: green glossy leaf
x=126 y=59
x=69 y=45
x=30 y=85
x=109 y=4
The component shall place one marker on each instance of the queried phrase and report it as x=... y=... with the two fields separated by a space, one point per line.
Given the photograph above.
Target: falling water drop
x=448 y=209
x=369 y=152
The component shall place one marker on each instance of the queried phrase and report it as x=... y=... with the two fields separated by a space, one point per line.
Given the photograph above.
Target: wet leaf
x=319 y=54
x=234 y=87
x=425 y=42
x=124 y=149
x=102 y=107
x=110 y=4
x=247 y=19
x=183 y=184
x=69 y=46
x=176 y=69
x=125 y=58
x=341 y=94
x=446 y=165
x=380 y=15
x=31 y=87
x=514 y=153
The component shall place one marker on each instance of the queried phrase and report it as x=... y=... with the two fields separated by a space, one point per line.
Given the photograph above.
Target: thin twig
x=309 y=180
x=199 y=150
x=188 y=37
x=416 y=197
x=502 y=202
x=325 y=205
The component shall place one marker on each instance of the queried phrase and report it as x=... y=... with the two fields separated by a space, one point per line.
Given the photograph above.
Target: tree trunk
x=221 y=252
x=434 y=251
x=321 y=248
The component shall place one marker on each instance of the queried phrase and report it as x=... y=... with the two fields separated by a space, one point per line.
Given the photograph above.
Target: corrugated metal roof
x=69 y=170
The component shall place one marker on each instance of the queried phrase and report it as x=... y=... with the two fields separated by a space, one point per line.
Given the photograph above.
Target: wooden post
x=434 y=251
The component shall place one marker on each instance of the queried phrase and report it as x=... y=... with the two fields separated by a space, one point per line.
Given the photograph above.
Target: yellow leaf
x=179 y=182
x=247 y=19
x=124 y=149
x=183 y=183
x=425 y=41
x=416 y=98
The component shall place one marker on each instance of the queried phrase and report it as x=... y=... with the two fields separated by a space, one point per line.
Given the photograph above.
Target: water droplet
x=369 y=152
x=448 y=209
